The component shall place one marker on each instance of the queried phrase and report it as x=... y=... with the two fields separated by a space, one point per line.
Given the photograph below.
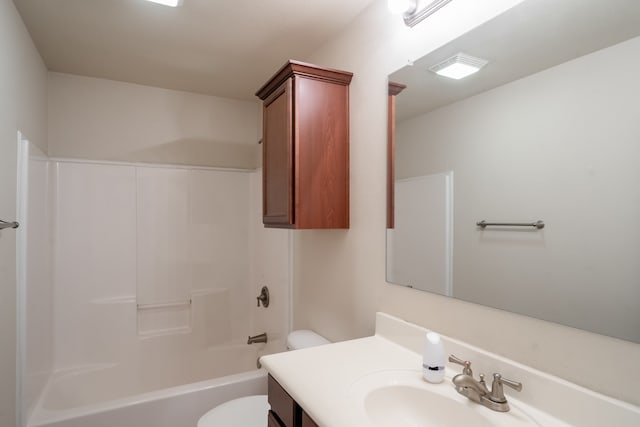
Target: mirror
x=548 y=130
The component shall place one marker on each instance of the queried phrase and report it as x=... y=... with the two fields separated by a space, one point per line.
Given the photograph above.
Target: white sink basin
x=401 y=398
x=402 y=405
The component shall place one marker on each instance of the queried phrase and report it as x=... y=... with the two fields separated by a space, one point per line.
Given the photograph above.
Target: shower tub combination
x=146 y=324
x=134 y=396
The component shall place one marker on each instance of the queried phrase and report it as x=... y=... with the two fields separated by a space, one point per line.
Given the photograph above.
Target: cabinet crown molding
x=298 y=68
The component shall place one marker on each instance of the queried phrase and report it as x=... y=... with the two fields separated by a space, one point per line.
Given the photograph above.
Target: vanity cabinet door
x=305 y=140
x=285 y=412
x=272 y=420
x=284 y=409
x=307 y=421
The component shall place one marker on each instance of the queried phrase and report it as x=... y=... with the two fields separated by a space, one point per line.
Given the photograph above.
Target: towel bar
x=6 y=224
x=483 y=224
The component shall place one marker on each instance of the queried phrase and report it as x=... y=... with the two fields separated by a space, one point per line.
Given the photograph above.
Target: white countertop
x=321 y=379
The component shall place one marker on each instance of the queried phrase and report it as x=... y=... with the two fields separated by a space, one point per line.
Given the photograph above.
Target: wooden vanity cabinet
x=285 y=412
x=305 y=147
x=272 y=420
x=307 y=421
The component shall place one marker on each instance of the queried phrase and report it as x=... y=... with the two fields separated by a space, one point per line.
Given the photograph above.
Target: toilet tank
x=304 y=339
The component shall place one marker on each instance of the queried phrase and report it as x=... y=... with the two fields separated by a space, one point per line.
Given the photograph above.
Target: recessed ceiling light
x=459 y=66
x=172 y=3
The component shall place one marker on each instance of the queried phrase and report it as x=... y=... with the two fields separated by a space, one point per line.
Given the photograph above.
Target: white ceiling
x=223 y=48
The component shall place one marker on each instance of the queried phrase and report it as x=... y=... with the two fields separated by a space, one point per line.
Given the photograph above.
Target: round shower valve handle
x=263 y=297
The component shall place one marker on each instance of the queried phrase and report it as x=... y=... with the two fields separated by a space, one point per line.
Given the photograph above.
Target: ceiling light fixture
x=172 y=3
x=402 y=6
x=409 y=9
x=459 y=66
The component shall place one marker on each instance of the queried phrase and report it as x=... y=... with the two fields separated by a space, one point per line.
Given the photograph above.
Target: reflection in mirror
x=548 y=130
x=423 y=207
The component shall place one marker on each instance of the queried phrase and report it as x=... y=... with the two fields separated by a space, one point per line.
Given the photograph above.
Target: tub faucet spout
x=257 y=338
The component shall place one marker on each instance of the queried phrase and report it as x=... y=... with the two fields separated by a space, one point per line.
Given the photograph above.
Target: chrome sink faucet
x=477 y=391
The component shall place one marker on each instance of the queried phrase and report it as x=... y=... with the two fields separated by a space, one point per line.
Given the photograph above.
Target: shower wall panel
x=94 y=261
x=163 y=274
x=149 y=259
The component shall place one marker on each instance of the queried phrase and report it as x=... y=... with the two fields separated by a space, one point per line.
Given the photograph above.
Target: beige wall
x=339 y=278
x=101 y=119
x=22 y=107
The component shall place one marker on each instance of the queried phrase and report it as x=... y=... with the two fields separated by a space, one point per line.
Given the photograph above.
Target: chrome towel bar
x=483 y=224
x=6 y=224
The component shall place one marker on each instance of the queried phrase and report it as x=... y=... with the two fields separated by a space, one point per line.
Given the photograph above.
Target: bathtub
x=158 y=392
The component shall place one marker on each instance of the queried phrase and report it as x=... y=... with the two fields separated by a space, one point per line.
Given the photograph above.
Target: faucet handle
x=497 y=391
x=465 y=363
x=263 y=297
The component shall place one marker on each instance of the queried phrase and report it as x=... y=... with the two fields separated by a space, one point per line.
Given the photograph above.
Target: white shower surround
x=106 y=350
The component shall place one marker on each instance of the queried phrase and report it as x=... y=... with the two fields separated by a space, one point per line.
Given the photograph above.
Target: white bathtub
x=156 y=392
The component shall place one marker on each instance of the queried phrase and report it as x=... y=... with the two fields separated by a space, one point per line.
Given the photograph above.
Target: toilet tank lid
x=304 y=338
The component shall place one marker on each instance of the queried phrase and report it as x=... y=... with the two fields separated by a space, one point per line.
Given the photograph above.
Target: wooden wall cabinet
x=394 y=90
x=305 y=140
x=285 y=412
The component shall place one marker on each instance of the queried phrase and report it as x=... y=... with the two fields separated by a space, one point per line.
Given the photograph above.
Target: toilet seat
x=250 y=411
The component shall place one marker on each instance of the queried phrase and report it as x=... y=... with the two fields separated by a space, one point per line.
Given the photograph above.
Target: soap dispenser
x=433 y=358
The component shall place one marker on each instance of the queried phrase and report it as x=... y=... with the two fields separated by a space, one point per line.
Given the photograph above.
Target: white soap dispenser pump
x=433 y=358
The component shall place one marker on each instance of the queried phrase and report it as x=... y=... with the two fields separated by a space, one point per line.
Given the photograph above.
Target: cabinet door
x=277 y=158
x=282 y=405
x=307 y=421
x=394 y=90
x=321 y=155
x=272 y=421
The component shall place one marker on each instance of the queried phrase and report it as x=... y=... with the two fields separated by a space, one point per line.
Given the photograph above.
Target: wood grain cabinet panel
x=283 y=407
x=285 y=412
x=307 y=421
x=306 y=147
x=277 y=206
x=394 y=90
x=273 y=421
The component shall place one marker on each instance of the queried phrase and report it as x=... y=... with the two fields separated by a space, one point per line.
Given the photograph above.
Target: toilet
x=251 y=411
